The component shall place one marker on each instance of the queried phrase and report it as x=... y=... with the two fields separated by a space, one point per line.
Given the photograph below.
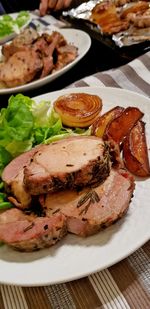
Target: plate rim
x=120 y=258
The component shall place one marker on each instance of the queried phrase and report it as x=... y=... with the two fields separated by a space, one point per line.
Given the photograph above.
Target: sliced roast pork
x=92 y=209
x=28 y=233
x=20 y=42
x=13 y=176
x=22 y=67
x=65 y=55
x=74 y=162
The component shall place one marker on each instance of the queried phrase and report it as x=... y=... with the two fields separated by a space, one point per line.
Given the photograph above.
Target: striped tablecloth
x=122 y=286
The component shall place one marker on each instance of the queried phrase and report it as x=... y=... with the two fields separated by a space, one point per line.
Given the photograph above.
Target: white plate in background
x=78 y=38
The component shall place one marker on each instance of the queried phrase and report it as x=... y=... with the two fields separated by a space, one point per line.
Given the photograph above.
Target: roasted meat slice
x=20 y=42
x=92 y=209
x=65 y=55
x=74 y=162
x=21 y=68
x=13 y=175
x=138 y=7
x=105 y=15
x=140 y=20
x=29 y=233
x=48 y=56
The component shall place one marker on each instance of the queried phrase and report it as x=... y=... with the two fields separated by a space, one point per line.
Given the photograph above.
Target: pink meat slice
x=13 y=168
x=70 y=163
x=21 y=68
x=29 y=233
x=91 y=209
x=13 y=175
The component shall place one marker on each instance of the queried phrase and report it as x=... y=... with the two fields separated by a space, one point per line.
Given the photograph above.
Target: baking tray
x=79 y=18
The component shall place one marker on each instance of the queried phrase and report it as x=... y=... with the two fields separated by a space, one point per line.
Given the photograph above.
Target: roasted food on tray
x=118 y=19
x=111 y=20
x=138 y=8
x=105 y=15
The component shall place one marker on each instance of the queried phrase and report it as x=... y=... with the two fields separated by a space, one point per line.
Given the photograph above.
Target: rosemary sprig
x=91 y=197
x=84 y=199
x=29 y=227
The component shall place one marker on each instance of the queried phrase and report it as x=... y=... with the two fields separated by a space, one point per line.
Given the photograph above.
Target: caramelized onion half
x=78 y=109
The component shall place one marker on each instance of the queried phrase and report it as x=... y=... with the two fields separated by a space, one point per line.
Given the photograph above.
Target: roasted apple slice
x=99 y=126
x=135 y=152
x=120 y=126
x=78 y=109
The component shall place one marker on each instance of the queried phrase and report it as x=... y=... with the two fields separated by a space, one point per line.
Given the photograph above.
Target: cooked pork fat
x=92 y=209
x=29 y=233
x=21 y=68
x=74 y=162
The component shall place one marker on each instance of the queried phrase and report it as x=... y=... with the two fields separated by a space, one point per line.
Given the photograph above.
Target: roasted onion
x=78 y=109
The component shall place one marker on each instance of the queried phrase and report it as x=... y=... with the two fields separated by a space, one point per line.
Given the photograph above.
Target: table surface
x=127 y=283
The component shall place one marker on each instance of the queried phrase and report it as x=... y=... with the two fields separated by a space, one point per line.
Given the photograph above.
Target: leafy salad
x=9 y=25
x=25 y=124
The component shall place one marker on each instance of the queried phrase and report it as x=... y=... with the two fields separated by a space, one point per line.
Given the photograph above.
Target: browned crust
x=42 y=242
x=92 y=174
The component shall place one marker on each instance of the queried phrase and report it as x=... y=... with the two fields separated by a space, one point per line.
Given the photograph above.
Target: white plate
x=75 y=257
x=78 y=38
x=13 y=34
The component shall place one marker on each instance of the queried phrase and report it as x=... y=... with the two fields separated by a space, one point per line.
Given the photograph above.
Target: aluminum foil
x=132 y=36
x=83 y=11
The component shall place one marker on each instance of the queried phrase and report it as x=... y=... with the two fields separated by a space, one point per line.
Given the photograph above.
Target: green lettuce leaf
x=22 y=18
x=16 y=121
x=9 y=25
x=5 y=158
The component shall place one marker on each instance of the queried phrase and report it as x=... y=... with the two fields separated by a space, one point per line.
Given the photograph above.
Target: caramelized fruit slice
x=135 y=152
x=99 y=126
x=121 y=126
